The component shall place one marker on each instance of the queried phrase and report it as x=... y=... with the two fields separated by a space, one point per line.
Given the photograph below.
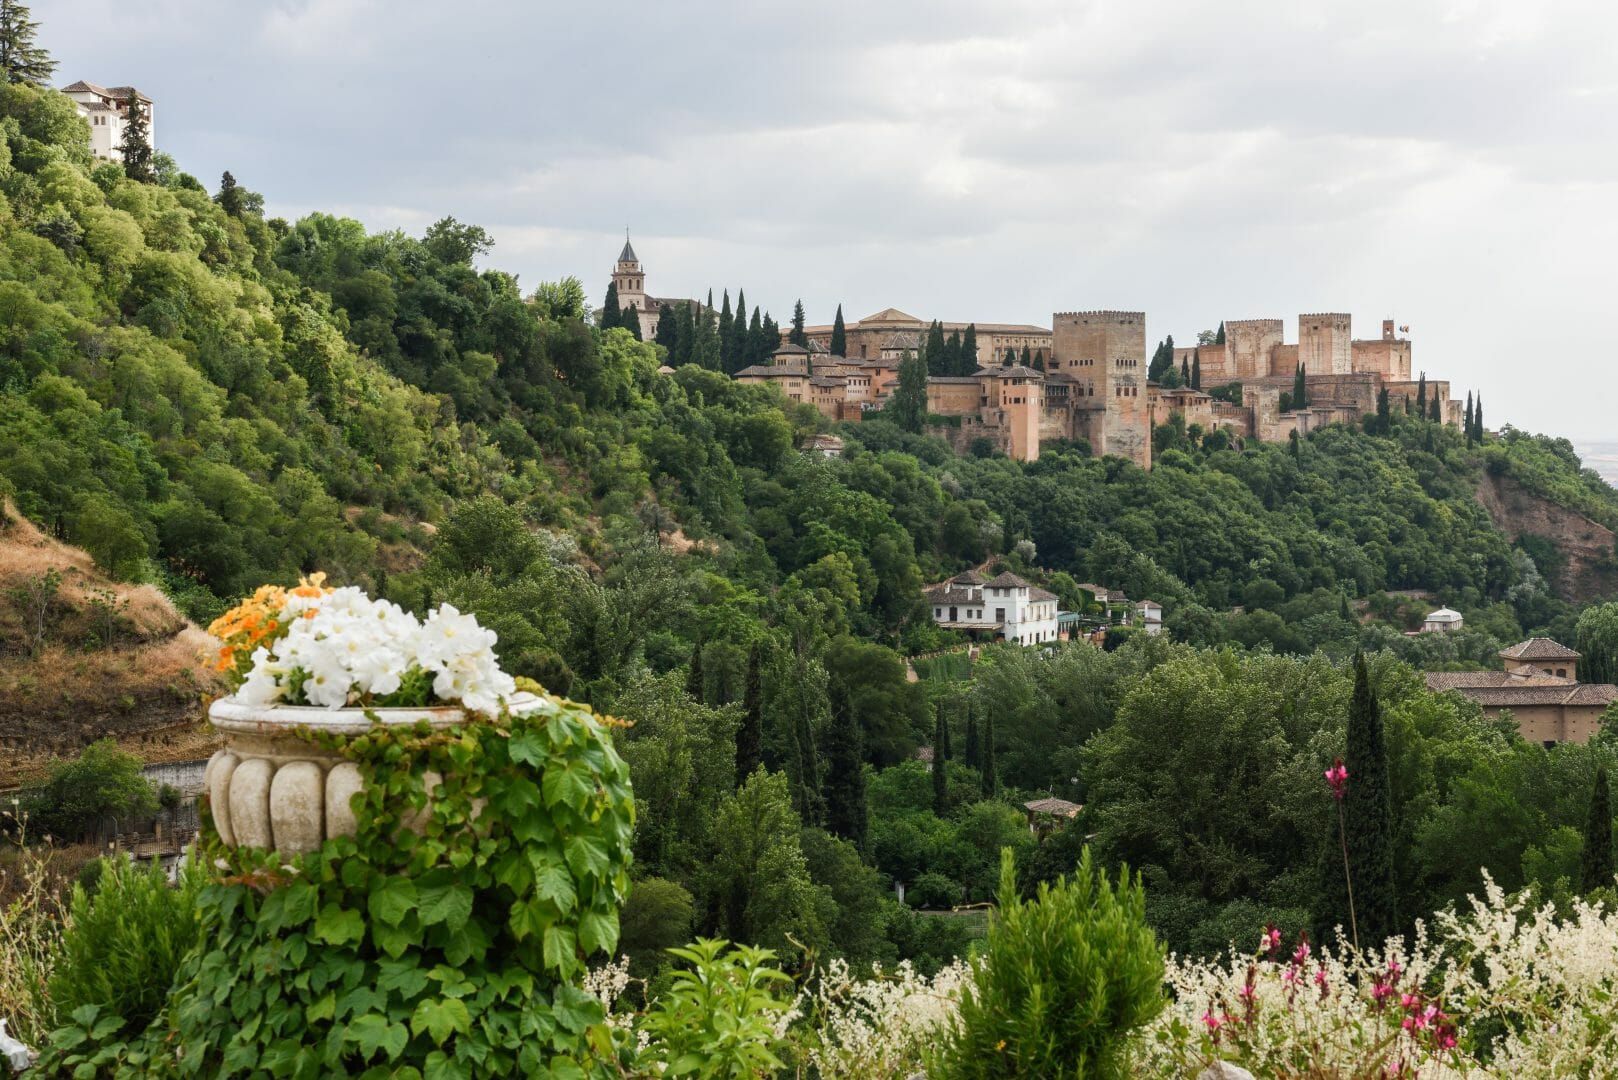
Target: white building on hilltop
x=1442 y=621
x=107 y=110
x=1006 y=606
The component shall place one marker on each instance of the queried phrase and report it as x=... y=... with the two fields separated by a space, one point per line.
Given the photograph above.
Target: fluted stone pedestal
x=271 y=787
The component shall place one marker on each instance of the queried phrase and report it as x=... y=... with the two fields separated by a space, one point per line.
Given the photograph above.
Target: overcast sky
x=1452 y=165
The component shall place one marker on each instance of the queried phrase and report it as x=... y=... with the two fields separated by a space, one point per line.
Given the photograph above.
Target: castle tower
x=630 y=280
x=1109 y=347
x=1325 y=344
x=1248 y=344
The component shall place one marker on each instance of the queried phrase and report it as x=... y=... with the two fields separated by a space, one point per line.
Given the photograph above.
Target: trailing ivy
x=446 y=939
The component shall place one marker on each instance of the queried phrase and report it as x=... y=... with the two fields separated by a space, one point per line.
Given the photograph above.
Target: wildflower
x=1301 y=953
x=1337 y=778
x=1211 y=1021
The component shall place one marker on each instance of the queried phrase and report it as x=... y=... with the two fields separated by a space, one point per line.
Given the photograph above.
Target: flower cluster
x=1337 y=778
x=880 y=1026
x=335 y=647
x=257 y=621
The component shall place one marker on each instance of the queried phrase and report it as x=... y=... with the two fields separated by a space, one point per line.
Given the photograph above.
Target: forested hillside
x=205 y=399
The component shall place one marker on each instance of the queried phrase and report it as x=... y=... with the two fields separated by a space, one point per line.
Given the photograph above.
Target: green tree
x=750 y=736
x=1039 y=359
x=1466 y=420
x=610 y=315
x=1185 y=371
x=727 y=337
x=796 y=335
x=969 y=349
x=846 y=812
x=1596 y=868
x=1219 y=338
x=1477 y=420
x=1300 y=389
x=991 y=774
x=667 y=333
x=1196 y=370
x=758 y=867
x=695 y=686
x=137 y=145
x=1437 y=415
x=21 y=60
x=1421 y=396
x=1597 y=636
x=940 y=763
x=1027 y=357
x=103 y=785
x=1384 y=414
x=971 y=754
x=1368 y=828
x=1010 y=358
x=230 y=195
x=1162 y=360
x=839 y=334
x=908 y=402
x=933 y=350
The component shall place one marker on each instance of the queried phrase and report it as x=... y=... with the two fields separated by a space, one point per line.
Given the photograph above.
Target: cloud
x=1450 y=163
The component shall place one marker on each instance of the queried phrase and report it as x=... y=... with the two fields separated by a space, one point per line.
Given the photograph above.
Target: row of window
x=1126 y=391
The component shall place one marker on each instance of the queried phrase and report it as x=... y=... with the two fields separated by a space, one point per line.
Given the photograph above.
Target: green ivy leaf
x=336 y=925
x=555 y=884
x=564 y=784
x=372 y=1032
x=561 y=948
x=440 y=1017
x=586 y=857
x=598 y=931
x=440 y=1066
x=444 y=900
x=301 y=900
x=402 y=976
x=527 y=747
x=393 y=900
x=324 y=1009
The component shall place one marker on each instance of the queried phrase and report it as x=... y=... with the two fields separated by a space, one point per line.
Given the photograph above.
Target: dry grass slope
x=137 y=677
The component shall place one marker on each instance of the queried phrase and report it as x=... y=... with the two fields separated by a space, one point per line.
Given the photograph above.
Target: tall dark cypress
x=807 y=794
x=1596 y=870
x=940 y=764
x=1010 y=357
x=1421 y=396
x=1477 y=420
x=1367 y=827
x=1196 y=370
x=969 y=349
x=1027 y=356
x=685 y=336
x=1219 y=338
x=750 y=736
x=1300 y=389
x=1185 y=372
x=738 y=334
x=629 y=319
x=839 y=334
x=955 y=361
x=1466 y=421
x=137 y=145
x=846 y=813
x=726 y=340
x=971 y=753
x=1437 y=416
x=610 y=316
x=695 y=685
x=1384 y=413
x=667 y=333
x=796 y=335
x=991 y=776
x=758 y=347
x=935 y=351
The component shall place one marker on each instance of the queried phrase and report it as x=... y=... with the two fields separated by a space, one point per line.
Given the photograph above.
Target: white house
x=1441 y=621
x=1150 y=616
x=107 y=109
x=1006 y=606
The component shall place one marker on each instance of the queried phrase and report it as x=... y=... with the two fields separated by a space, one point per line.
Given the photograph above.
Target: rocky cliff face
x=1589 y=569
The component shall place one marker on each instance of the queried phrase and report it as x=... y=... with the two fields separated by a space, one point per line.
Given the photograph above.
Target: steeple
x=631 y=281
x=628 y=254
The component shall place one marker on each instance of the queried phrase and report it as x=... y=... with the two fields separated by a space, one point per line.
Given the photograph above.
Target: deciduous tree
x=21 y=61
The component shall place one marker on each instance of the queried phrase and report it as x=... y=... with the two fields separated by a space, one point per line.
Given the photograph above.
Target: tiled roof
x=949 y=593
x=1475 y=680
x=1059 y=807
x=1539 y=648
x=889 y=315
x=771 y=371
x=791 y=350
x=1006 y=580
x=902 y=341
x=1587 y=694
x=1040 y=594
x=971 y=577
x=628 y=254
x=828 y=380
x=952 y=380
x=1015 y=371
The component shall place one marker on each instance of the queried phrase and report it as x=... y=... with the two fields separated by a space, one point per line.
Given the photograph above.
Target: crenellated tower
x=1106 y=351
x=1326 y=344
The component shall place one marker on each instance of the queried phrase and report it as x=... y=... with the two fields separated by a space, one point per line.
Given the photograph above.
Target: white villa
x=1149 y=616
x=106 y=108
x=1441 y=621
x=1004 y=607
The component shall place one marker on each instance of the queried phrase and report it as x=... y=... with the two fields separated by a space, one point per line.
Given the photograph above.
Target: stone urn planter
x=273 y=788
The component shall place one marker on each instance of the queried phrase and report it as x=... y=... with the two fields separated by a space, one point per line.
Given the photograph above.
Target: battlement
x=1338 y=319
x=1260 y=324
x=1106 y=316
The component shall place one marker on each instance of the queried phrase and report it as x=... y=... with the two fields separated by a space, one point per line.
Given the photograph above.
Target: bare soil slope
x=90 y=658
x=1590 y=551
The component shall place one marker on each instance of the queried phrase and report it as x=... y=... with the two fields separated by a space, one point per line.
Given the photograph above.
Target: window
x=938 y=613
x=999 y=614
x=1562 y=671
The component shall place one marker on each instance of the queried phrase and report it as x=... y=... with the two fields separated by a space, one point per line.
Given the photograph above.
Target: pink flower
x=1301 y=953
x=1211 y=1021
x=1270 y=940
x=1380 y=993
x=1320 y=981
x=1337 y=778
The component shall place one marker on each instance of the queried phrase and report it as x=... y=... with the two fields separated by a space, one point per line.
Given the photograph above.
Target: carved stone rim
x=228 y=714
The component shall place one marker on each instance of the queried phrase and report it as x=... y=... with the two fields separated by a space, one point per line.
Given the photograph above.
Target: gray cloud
x=1451 y=163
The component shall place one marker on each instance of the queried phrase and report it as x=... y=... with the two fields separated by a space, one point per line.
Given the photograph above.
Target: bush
x=717 y=1020
x=125 y=939
x=932 y=890
x=103 y=782
x=1064 y=981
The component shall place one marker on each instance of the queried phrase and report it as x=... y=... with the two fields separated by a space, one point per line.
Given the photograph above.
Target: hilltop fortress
x=1088 y=378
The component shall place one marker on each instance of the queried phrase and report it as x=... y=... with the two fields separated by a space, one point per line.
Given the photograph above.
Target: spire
x=628 y=254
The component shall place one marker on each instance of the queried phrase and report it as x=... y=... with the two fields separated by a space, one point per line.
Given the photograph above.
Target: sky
x=1450 y=165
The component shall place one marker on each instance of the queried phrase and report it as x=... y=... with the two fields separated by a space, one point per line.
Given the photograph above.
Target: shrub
x=102 y=782
x=125 y=940
x=932 y=890
x=719 y=1019
x=1063 y=983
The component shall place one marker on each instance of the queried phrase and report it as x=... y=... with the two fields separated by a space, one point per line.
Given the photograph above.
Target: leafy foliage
x=717 y=1019
x=102 y=784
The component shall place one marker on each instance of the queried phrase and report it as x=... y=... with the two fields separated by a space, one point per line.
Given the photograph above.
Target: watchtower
x=1326 y=344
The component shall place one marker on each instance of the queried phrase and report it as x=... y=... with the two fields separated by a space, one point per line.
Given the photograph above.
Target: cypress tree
x=1011 y=357
x=1477 y=420
x=1196 y=370
x=846 y=812
x=230 y=195
x=1438 y=410
x=137 y=144
x=1027 y=357
x=839 y=335
x=726 y=340
x=705 y=339
x=1300 y=389
x=685 y=339
x=1185 y=372
x=991 y=779
x=1039 y=359
x=609 y=307
x=971 y=754
x=1421 y=396
x=769 y=338
x=1367 y=827
x=954 y=359
x=1596 y=870
x=1384 y=415
x=940 y=764
x=969 y=349
x=667 y=333
x=934 y=353
x=21 y=61
x=694 y=683
x=629 y=319
x=758 y=349
x=807 y=792
x=750 y=735
x=1219 y=338
x=1162 y=360
x=797 y=336
x=738 y=334
x=1466 y=421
